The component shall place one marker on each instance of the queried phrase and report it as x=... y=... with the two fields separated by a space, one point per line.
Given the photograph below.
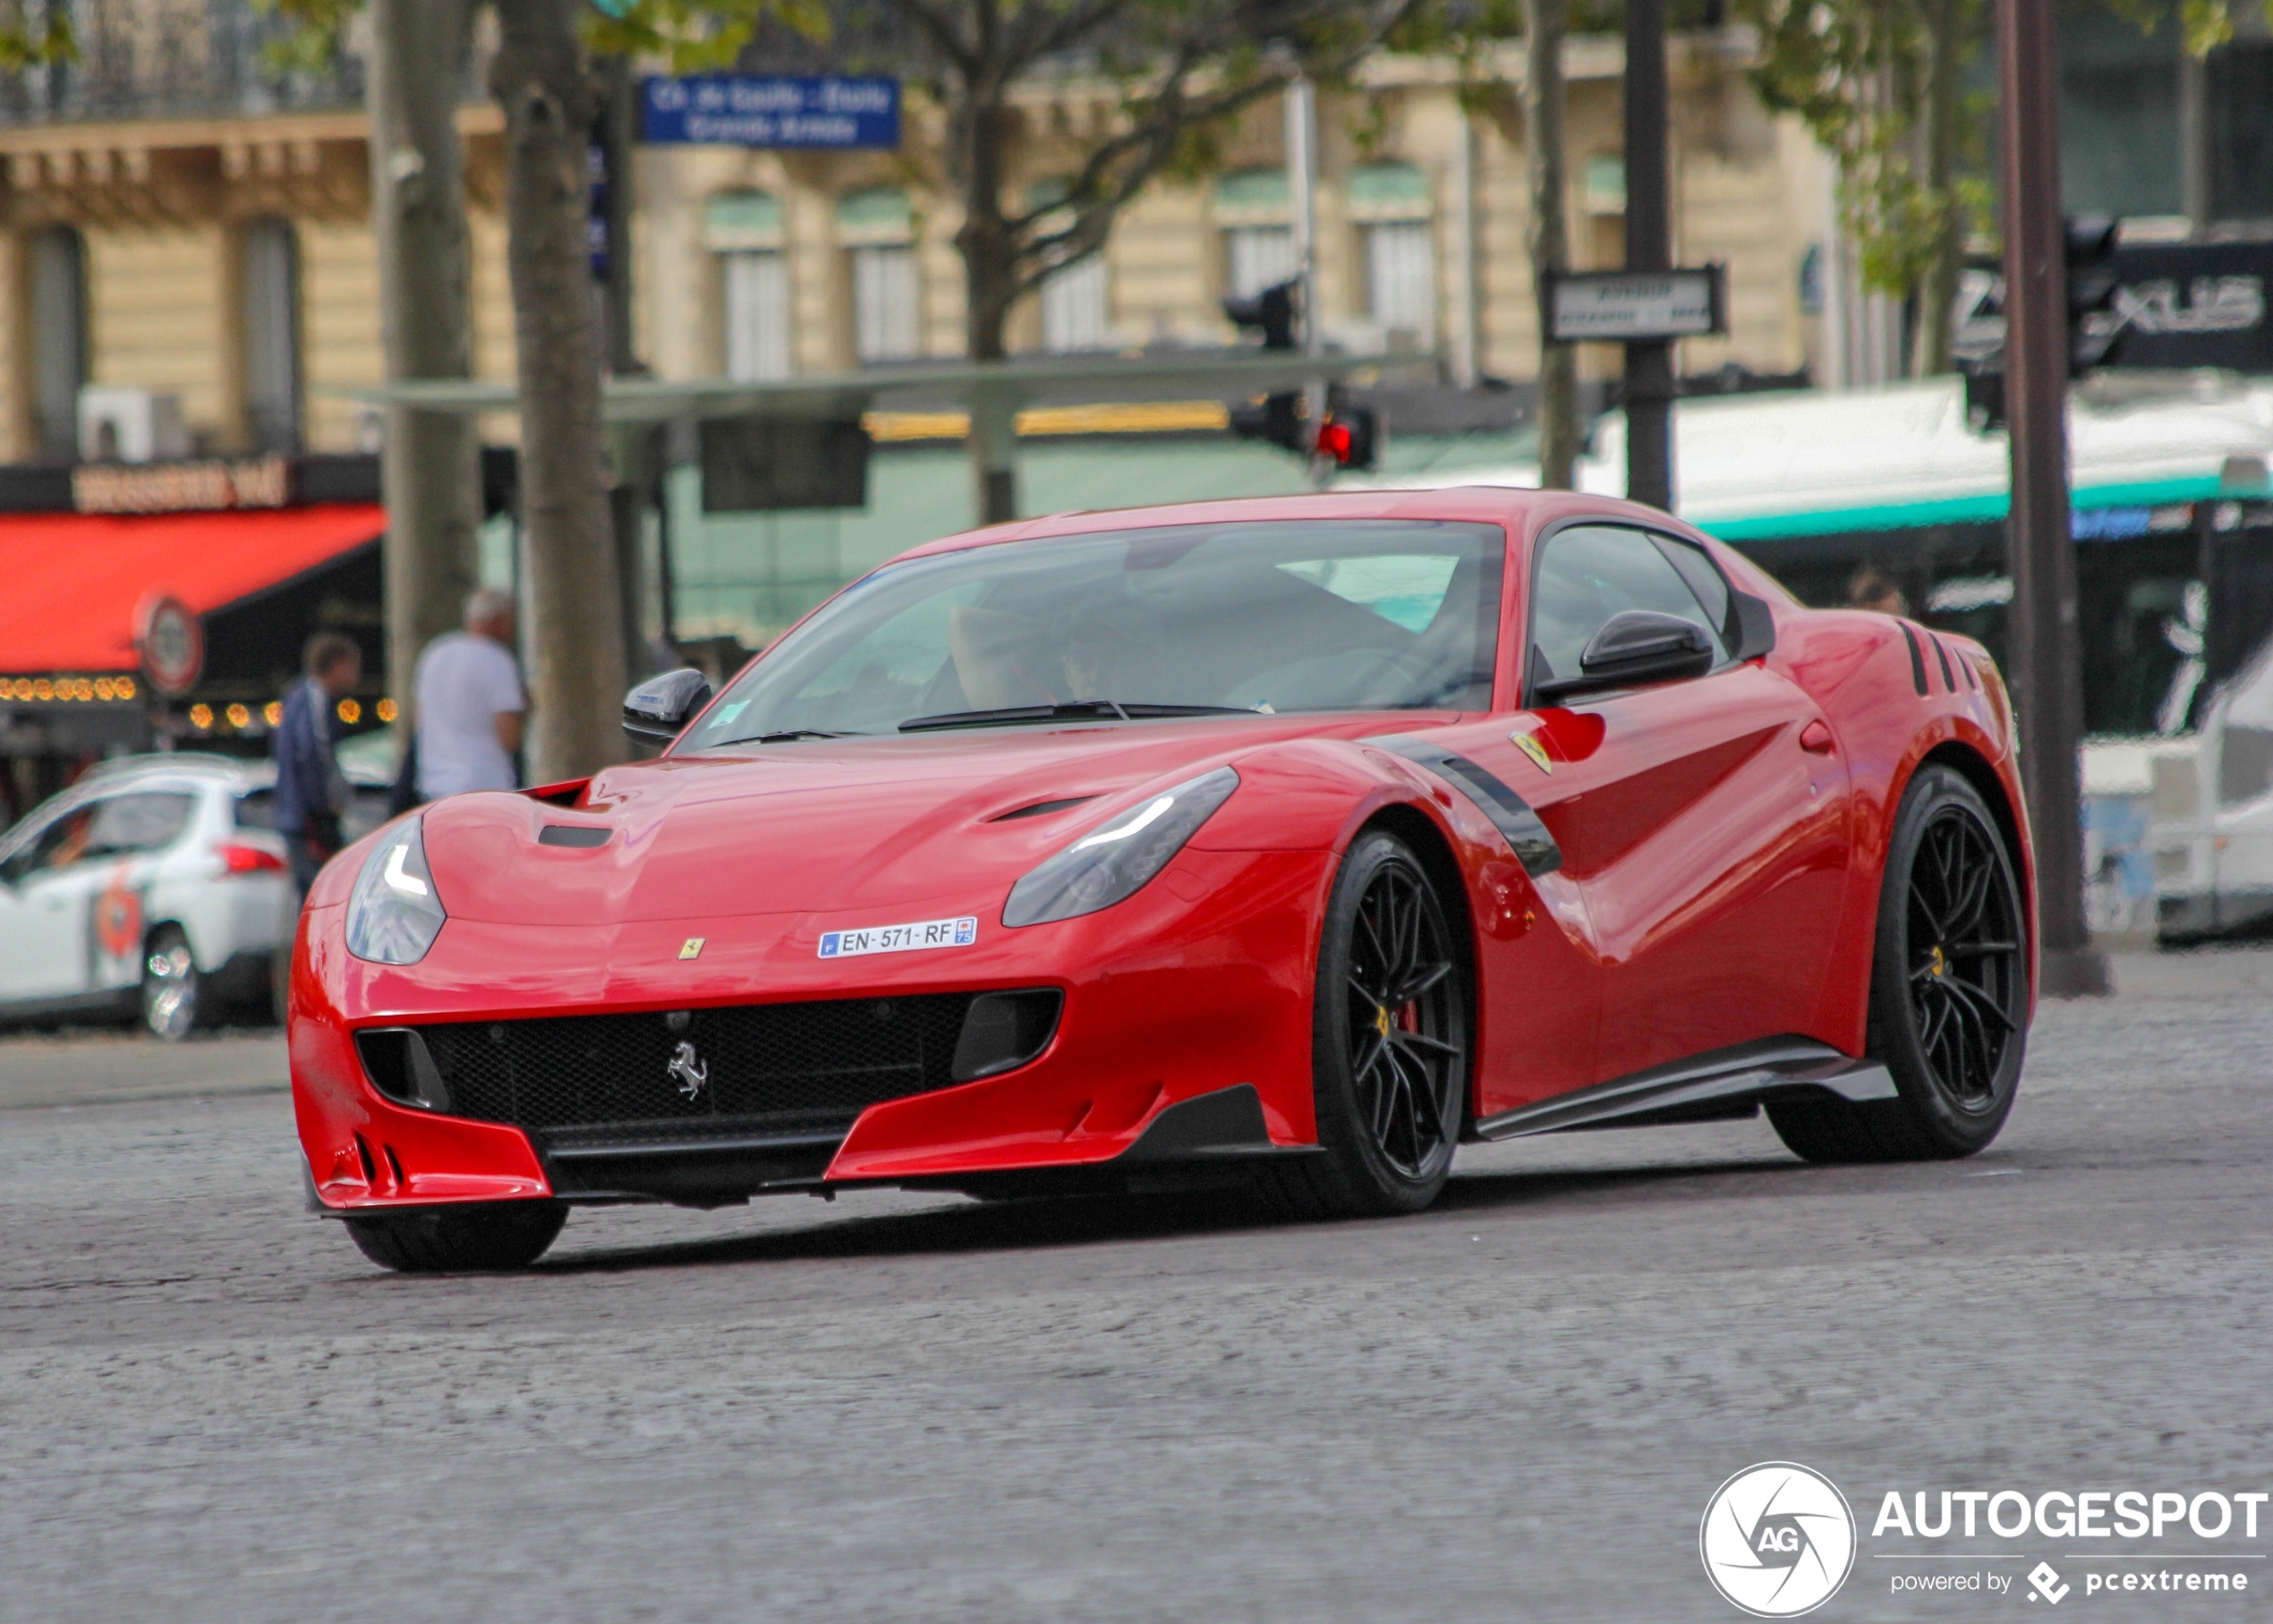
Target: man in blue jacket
x=312 y=794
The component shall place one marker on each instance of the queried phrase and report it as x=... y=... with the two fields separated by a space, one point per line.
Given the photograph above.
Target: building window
x=1076 y=299
x=270 y=286
x=1255 y=209
x=1074 y=308
x=1390 y=203
x=2240 y=88
x=743 y=228
x=58 y=312
x=1256 y=257
x=1400 y=277
x=884 y=312
x=878 y=230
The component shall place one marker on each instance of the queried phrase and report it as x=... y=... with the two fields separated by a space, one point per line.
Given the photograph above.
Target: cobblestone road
x=896 y=1406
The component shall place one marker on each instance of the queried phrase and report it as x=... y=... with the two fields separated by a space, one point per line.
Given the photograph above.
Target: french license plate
x=900 y=938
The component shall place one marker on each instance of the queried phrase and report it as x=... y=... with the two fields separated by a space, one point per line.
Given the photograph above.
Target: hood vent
x=1041 y=809
x=580 y=835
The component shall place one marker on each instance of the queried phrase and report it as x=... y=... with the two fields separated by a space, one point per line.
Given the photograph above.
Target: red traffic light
x=1348 y=437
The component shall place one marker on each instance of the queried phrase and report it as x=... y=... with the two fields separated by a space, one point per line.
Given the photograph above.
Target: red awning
x=70 y=583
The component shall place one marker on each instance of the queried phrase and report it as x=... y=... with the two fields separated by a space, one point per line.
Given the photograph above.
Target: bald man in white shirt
x=472 y=708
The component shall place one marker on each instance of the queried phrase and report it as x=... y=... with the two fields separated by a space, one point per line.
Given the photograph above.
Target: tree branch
x=932 y=21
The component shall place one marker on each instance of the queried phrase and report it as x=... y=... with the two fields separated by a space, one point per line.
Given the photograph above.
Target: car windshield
x=1315 y=614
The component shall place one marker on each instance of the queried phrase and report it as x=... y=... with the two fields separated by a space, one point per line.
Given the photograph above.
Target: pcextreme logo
x=1777 y=1540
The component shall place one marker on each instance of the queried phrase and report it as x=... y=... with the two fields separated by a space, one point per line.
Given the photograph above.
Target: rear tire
x=1948 y=990
x=172 y=996
x=507 y=1235
x=1389 y=1045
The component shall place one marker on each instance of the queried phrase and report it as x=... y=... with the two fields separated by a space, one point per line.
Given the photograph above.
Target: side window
x=125 y=824
x=61 y=842
x=1704 y=579
x=1591 y=572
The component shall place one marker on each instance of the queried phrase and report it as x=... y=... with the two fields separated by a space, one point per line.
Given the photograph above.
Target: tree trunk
x=990 y=282
x=575 y=632
x=1544 y=22
x=1945 y=88
x=632 y=494
x=430 y=469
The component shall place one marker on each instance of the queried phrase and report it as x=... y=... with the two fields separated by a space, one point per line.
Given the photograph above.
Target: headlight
x=393 y=914
x=1109 y=864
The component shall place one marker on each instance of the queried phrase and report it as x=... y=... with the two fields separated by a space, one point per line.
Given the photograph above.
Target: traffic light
x=1271 y=312
x=1277 y=418
x=1349 y=436
x=2092 y=280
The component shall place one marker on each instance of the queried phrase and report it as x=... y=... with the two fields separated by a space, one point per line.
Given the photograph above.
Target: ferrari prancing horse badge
x=1529 y=746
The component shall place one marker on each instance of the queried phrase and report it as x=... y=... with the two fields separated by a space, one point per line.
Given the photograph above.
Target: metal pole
x=1467 y=326
x=2047 y=688
x=1302 y=180
x=1649 y=247
x=2194 y=139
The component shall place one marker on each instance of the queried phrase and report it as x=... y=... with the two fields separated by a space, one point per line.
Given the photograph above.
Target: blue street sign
x=735 y=110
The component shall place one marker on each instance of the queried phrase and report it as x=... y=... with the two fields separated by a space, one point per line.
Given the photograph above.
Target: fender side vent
x=1917 y=659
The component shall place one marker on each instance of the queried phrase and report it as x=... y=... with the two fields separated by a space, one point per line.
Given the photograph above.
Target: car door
x=126 y=851
x=1703 y=820
x=44 y=914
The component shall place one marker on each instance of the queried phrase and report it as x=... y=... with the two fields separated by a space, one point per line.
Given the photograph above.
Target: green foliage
x=2203 y=24
x=1859 y=73
x=693 y=35
x=24 y=45
x=697 y=36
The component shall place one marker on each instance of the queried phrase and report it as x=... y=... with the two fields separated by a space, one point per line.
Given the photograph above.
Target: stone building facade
x=217 y=249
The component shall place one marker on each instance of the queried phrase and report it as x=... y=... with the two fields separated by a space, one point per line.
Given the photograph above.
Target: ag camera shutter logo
x=1777 y=1540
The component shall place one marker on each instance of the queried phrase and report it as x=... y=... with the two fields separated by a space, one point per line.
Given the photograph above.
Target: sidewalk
x=84 y=1066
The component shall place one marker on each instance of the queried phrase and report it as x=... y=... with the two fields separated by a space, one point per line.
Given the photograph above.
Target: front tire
x=454 y=1240
x=171 y=990
x=1389 y=1044
x=1948 y=990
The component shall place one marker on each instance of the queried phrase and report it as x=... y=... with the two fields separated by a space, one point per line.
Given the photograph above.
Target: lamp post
x=1649 y=247
x=2047 y=685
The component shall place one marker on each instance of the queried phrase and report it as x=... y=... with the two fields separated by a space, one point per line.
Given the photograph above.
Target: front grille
x=767 y=1070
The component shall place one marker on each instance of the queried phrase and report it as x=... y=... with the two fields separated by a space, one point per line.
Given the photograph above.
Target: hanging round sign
x=171 y=641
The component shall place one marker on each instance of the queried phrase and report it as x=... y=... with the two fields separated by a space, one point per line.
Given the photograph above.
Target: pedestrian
x=471 y=704
x=312 y=793
x=1874 y=588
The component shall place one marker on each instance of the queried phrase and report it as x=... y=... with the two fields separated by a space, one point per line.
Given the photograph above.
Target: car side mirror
x=1635 y=647
x=660 y=709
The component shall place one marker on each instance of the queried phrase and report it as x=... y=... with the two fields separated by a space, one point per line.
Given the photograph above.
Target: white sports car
x=153 y=887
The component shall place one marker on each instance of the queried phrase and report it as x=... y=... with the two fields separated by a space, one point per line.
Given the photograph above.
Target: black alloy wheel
x=1963 y=941
x=1389 y=1043
x=1949 y=994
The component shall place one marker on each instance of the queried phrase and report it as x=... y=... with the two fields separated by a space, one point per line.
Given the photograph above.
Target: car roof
x=241 y=770
x=1517 y=508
